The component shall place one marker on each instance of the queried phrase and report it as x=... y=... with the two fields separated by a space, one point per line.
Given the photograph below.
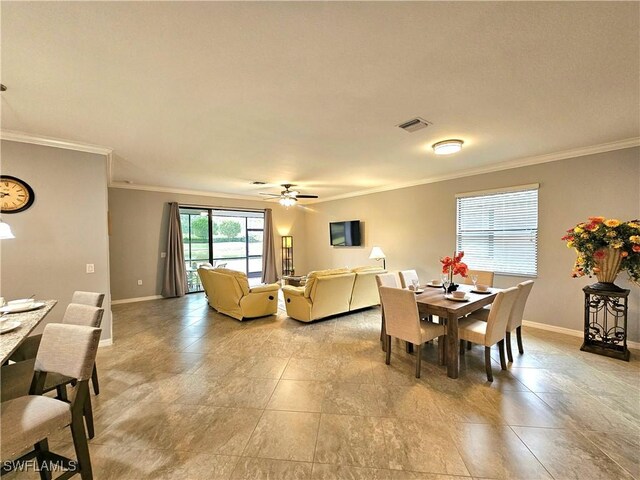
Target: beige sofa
x=228 y=292
x=331 y=292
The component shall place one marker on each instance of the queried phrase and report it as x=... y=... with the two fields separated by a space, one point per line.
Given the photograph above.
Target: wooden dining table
x=433 y=302
x=10 y=341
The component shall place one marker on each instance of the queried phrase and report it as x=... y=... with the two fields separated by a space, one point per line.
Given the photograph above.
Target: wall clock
x=15 y=195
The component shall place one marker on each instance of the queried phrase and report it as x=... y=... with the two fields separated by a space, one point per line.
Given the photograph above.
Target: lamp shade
x=377 y=253
x=5 y=231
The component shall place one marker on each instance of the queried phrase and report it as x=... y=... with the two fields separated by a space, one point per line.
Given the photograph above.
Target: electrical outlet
x=91 y=268
x=139 y=282
x=163 y=254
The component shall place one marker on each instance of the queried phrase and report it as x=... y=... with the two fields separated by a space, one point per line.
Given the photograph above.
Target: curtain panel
x=269 y=272
x=175 y=276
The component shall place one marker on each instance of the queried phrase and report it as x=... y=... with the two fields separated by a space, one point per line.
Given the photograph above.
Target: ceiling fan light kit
x=288 y=197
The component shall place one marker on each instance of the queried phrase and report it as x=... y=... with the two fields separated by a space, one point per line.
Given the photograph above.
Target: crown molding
x=22 y=137
x=507 y=165
x=182 y=191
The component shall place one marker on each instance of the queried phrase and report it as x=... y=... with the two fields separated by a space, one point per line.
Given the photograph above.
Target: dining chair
x=407 y=277
x=402 y=321
x=485 y=277
x=515 y=318
x=389 y=279
x=488 y=333
x=27 y=421
x=29 y=347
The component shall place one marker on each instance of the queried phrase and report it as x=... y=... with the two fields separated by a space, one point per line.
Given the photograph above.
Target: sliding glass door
x=224 y=238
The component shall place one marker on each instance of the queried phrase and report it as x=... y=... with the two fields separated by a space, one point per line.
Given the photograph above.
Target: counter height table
x=10 y=341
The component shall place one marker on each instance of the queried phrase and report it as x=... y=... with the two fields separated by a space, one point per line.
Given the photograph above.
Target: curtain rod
x=209 y=207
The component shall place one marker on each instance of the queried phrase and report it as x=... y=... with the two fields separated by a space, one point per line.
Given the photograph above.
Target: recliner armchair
x=228 y=292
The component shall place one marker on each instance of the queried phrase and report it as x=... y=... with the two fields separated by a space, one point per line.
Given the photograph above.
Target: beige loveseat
x=228 y=292
x=330 y=292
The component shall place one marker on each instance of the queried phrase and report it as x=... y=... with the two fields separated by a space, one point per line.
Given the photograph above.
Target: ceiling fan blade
x=270 y=194
x=307 y=196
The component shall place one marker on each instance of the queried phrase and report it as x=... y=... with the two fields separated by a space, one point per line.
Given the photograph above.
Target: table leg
x=453 y=360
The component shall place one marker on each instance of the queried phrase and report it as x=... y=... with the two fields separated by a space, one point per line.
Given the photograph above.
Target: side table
x=605 y=322
x=294 y=281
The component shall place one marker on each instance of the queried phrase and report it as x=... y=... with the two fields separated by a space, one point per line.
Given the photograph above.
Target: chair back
x=499 y=315
x=517 y=312
x=401 y=314
x=484 y=277
x=407 y=277
x=85 y=315
x=88 y=298
x=68 y=350
x=387 y=280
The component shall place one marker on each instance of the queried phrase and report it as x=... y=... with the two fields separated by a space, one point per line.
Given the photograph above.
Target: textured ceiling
x=210 y=96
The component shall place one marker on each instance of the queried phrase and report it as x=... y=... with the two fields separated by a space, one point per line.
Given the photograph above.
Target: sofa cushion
x=311 y=277
x=240 y=277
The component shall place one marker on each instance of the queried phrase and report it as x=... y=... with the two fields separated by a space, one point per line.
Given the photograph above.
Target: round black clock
x=15 y=195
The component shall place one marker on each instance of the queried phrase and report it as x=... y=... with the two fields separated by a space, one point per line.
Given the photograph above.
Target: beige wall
x=139 y=225
x=65 y=229
x=416 y=226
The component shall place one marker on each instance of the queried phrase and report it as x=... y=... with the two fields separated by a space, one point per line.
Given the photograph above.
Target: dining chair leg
x=507 y=339
x=487 y=363
x=503 y=362
x=469 y=345
x=81 y=448
x=461 y=347
x=409 y=347
x=387 y=359
x=418 y=359
x=87 y=412
x=519 y=337
x=42 y=447
x=94 y=380
x=383 y=334
x=61 y=393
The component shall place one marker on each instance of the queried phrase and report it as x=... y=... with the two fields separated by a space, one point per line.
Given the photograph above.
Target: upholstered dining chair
x=402 y=321
x=389 y=279
x=27 y=421
x=515 y=318
x=407 y=277
x=29 y=347
x=485 y=277
x=476 y=330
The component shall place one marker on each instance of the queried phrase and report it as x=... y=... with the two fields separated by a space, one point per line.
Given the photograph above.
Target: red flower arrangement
x=454 y=266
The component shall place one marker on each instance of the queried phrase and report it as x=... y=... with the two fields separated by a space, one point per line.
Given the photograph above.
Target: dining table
x=432 y=301
x=10 y=341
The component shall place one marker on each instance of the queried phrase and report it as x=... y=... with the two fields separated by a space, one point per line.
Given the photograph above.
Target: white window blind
x=498 y=230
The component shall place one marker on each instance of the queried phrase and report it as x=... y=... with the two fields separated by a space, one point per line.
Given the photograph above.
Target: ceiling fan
x=288 y=197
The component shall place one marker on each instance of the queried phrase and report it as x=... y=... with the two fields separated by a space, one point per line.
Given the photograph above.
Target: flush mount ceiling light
x=447 y=147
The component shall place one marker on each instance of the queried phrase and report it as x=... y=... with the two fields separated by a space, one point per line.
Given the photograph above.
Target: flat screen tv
x=345 y=234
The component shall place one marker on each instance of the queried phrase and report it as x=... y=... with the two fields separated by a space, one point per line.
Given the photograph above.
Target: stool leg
x=461 y=347
x=469 y=345
x=82 y=448
x=94 y=380
x=87 y=412
x=61 y=391
x=41 y=447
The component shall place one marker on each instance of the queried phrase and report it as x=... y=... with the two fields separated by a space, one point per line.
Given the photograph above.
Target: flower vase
x=608 y=268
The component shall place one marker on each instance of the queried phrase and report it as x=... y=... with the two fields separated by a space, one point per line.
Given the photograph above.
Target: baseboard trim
x=106 y=342
x=136 y=299
x=568 y=331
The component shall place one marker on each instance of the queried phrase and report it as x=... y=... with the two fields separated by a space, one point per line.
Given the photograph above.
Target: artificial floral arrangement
x=604 y=247
x=454 y=266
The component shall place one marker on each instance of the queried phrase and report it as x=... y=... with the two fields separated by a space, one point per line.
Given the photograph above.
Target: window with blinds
x=498 y=230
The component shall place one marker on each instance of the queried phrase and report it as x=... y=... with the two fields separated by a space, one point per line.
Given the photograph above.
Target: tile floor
x=191 y=394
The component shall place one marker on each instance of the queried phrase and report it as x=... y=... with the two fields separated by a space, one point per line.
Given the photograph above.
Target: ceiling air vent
x=414 y=124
